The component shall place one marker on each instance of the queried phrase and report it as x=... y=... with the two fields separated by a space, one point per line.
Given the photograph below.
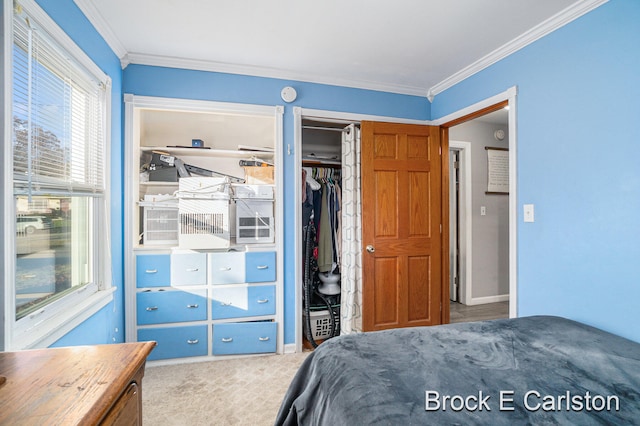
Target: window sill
x=52 y=329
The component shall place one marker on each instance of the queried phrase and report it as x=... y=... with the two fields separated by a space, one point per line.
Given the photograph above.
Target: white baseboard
x=487 y=299
x=290 y=348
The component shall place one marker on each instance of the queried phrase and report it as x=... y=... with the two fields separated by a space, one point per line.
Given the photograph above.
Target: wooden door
x=401 y=225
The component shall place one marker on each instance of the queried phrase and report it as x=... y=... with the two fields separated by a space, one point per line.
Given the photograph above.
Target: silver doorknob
x=371 y=248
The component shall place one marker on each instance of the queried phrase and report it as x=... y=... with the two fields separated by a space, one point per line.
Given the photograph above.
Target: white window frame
x=47 y=325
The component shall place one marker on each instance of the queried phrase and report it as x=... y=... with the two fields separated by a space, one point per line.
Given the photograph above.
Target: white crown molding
x=562 y=18
x=559 y=20
x=200 y=65
x=93 y=15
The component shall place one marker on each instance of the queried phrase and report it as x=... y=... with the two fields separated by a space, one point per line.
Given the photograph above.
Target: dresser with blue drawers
x=205 y=304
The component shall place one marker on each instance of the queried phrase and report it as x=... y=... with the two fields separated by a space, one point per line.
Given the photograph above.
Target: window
x=60 y=103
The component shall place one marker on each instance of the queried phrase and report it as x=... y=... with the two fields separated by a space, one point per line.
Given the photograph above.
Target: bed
x=531 y=370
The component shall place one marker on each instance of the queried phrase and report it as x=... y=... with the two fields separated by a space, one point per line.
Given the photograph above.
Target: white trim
x=500 y=97
x=33 y=9
x=513 y=207
x=488 y=299
x=7 y=266
x=102 y=26
x=466 y=223
x=297 y=197
x=181 y=104
x=201 y=65
x=279 y=212
x=291 y=348
x=354 y=117
x=557 y=21
x=58 y=324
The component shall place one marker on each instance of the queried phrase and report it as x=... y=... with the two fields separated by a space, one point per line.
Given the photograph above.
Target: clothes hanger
x=310 y=180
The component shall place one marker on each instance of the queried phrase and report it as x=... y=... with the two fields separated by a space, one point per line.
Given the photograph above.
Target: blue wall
x=577 y=105
x=101 y=327
x=189 y=84
x=578 y=142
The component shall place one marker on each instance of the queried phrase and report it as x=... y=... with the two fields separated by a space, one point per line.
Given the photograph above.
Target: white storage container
x=160 y=220
x=254 y=221
x=203 y=204
x=321 y=323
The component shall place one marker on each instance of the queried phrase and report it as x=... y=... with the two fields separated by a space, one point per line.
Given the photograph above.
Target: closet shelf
x=208 y=152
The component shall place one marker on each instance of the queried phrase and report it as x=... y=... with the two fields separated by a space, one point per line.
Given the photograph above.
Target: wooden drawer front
x=245 y=301
x=157 y=307
x=226 y=268
x=244 y=338
x=153 y=270
x=176 y=342
x=260 y=266
x=188 y=269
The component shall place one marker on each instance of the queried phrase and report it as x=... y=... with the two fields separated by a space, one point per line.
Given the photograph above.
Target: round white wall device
x=288 y=94
x=499 y=134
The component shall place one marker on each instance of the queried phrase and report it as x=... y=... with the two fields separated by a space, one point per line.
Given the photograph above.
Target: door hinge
x=441 y=228
x=439 y=150
x=456 y=164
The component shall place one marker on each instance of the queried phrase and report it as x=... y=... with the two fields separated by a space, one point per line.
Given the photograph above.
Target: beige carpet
x=246 y=391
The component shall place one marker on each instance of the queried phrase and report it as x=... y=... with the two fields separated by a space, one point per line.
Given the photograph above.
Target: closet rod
x=332 y=129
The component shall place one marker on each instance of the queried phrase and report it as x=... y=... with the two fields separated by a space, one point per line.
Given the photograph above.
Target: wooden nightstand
x=85 y=385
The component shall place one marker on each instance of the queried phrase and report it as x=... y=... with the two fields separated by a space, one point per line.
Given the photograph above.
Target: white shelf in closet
x=209 y=152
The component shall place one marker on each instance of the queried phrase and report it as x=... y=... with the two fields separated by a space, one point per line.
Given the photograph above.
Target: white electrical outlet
x=528 y=213
x=483 y=210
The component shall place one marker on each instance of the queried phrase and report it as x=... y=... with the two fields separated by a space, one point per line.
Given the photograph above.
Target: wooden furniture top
x=71 y=385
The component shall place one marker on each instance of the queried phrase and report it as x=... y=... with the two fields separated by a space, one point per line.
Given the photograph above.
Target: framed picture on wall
x=497 y=170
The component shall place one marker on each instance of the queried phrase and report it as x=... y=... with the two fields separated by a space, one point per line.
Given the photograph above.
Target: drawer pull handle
x=192 y=270
x=193 y=342
x=227 y=339
x=226 y=303
x=262 y=266
x=151 y=271
x=263 y=300
x=152 y=308
x=264 y=339
x=225 y=268
x=192 y=306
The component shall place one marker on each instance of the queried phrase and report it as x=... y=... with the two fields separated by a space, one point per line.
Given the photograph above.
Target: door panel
x=386 y=291
x=401 y=210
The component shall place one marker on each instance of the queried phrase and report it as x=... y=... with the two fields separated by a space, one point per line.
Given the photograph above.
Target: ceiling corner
x=97 y=20
x=555 y=22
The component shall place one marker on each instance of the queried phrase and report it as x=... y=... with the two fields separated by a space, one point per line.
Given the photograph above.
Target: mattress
x=531 y=370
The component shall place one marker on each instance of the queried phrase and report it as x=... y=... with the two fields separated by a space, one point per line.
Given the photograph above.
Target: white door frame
x=465 y=229
x=509 y=95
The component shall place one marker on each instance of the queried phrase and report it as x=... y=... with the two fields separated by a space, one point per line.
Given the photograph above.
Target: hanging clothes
x=328 y=213
x=325 y=238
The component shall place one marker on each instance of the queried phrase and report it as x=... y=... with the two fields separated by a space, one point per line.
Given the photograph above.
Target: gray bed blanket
x=538 y=370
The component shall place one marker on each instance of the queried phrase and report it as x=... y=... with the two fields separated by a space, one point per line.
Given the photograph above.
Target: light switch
x=528 y=213
x=483 y=210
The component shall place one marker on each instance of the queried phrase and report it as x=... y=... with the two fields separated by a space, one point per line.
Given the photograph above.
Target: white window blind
x=58 y=114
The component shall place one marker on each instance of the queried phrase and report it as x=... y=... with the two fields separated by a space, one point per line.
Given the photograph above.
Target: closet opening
x=322 y=226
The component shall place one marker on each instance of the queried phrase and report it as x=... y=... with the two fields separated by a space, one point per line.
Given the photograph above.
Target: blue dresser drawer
x=176 y=342
x=243 y=301
x=244 y=338
x=188 y=269
x=260 y=266
x=157 y=307
x=226 y=268
x=153 y=270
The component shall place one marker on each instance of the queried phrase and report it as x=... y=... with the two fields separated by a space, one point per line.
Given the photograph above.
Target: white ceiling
x=418 y=47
